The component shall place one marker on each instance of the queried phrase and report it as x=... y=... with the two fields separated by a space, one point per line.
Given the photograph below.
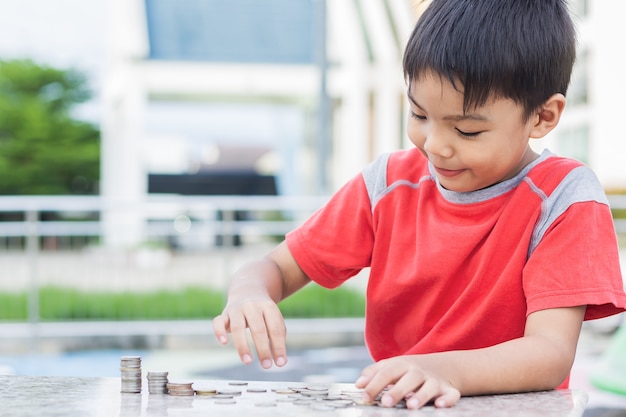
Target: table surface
x=58 y=396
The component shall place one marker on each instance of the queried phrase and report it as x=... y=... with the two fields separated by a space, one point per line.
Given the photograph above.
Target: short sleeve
x=336 y=242
x=577 y=263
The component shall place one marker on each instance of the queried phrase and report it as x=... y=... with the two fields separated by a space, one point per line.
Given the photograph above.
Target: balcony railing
x=177 y=240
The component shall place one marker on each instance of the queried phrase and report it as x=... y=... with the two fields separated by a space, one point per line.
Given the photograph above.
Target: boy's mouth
x=448 y=172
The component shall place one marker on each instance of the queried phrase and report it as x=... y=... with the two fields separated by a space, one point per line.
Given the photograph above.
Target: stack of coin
x=130 y=367
x=180 y=388
x=157 y=382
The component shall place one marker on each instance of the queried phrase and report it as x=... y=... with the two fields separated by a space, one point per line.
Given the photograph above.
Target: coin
x=229 y=391
x=180 y=388
x=206 y=392
x=285 y=391
x=130 y=374
x=225 y=401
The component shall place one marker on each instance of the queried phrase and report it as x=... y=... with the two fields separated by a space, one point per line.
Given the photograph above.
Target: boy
x=485 y=257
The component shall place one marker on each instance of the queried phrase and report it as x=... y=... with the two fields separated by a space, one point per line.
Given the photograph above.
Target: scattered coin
x=225 y=401
x=206 y=392
x=229 y=391
x=256 y=390
x=285 y=391
x=339 y=403
x=320 y=387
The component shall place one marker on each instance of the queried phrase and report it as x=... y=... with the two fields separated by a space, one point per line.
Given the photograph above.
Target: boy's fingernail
x=281 y=361
x=360 y=381
x=266 y=363
x=412 y=403
x=246 y=358
x=223 y=339
x=387 y=401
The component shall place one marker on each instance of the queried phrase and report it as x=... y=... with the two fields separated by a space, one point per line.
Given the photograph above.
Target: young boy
x=485 y=257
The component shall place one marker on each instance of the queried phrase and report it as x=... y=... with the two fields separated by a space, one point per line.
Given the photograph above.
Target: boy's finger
x=240 y=339
x=220 y=325
x=260 y=338
x=379 y=380
x=449 y=398
x=425 y=391
x=277 y=334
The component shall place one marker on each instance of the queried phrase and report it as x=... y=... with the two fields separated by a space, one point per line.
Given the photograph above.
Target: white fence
x=58 y=240
x=184 y=241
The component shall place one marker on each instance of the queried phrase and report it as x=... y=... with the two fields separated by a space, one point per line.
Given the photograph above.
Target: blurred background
x=150 y=147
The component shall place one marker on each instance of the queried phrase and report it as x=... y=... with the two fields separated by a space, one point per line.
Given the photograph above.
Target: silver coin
x=237 y=383
x=317 y=387
x=222 y=396
x=229 y=391
x=284 y=391
x=225 y=401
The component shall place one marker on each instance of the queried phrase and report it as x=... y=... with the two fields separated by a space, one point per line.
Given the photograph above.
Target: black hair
x=523 y=50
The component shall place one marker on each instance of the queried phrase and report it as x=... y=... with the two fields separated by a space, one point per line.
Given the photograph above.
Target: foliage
x=64 y=304
x=43 y=150
x=316 y=301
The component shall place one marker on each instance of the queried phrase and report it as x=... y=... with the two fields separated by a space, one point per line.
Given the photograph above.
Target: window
x=578 y=93
x=574 y=143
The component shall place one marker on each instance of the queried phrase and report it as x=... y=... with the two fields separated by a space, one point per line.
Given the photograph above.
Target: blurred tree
x=43 y=150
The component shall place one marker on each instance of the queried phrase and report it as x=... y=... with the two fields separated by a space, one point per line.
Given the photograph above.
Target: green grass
x=618 y=213
x=63 y=304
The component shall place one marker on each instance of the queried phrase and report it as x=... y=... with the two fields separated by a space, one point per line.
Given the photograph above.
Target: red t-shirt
x=456 y=271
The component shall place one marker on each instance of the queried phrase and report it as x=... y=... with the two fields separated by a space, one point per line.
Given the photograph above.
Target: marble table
x=69 y=396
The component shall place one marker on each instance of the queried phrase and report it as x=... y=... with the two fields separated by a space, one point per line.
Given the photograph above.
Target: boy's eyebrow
x=455 y=118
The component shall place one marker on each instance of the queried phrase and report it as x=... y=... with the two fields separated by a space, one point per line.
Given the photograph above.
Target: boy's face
x=472 y=150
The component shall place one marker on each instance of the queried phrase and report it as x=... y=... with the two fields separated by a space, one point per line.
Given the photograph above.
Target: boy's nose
x=436 y=144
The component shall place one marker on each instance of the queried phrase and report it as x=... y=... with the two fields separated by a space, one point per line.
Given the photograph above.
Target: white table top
x=59 y=396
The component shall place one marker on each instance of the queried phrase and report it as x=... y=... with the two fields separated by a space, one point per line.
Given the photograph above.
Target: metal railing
x=182 y=240
x=45 y=238
x=618 y=202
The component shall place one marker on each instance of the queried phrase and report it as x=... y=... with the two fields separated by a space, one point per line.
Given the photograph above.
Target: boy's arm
x=539 y=360
x=253 y=294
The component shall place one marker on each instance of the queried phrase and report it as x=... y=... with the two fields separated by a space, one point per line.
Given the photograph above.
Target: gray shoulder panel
x=580 y=185
x=375 y=177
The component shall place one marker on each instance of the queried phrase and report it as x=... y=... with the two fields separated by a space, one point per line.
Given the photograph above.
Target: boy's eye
x=417 y=116
x=468 y=134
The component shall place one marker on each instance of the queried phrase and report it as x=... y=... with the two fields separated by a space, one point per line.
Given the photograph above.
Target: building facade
x=314 y=86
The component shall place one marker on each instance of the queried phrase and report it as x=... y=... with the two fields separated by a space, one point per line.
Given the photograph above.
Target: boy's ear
x=548 y=116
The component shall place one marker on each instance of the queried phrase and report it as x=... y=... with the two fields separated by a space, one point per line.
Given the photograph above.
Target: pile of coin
x=157 y=382
x=180 y=388
x=130 y=368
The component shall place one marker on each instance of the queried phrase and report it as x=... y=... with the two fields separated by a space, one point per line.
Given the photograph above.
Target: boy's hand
x=253 y=294
x=408 y=380
x=267 y=327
